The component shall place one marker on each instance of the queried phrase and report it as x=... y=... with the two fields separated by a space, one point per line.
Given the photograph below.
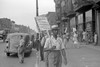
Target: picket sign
x=42 y=23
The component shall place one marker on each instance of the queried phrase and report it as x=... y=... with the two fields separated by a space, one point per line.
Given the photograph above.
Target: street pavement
x=13 y=61
x=85 y=56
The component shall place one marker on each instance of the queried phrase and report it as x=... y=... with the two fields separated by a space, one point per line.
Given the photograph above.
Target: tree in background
x=5 y=23
x=8 y=24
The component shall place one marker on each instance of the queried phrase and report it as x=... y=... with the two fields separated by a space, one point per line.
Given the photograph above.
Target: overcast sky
x=24 y=11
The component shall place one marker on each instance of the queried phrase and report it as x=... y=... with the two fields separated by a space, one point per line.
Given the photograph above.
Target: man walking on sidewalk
x=55 y=49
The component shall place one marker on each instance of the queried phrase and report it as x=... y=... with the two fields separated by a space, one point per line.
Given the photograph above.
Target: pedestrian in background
x=76 y=43
x=37 y=42
x=65 y=39
x=55 y=49
x=84 y=36
x=42 y=46
x=86 y=39
x=31 y=42
x=24 y=41
x=95 y=38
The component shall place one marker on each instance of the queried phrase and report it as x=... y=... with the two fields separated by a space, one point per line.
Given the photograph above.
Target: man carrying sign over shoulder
x=55 y=49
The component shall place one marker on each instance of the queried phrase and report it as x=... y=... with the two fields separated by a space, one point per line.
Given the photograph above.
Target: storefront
x=80 y=23
x=89 y=20
x=97 y=14
x=98 y=25
x=72 y=24
x=90 y=25
x=86 y=17
x=80 y=27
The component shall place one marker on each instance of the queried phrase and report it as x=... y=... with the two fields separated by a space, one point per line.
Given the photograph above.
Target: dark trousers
x=37 y=45
x=41 y=53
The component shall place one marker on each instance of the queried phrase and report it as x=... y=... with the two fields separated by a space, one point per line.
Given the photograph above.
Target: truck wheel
x=8 y=54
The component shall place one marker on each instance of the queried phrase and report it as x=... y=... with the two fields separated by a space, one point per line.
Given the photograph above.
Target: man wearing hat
x=55 y=49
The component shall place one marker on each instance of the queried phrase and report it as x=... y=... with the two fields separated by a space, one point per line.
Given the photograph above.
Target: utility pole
x=37 y=13
x=38 y=53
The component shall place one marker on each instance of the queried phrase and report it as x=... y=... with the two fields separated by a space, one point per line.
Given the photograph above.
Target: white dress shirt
x=51 y=41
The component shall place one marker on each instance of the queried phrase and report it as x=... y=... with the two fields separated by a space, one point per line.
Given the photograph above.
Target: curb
x=91 y=46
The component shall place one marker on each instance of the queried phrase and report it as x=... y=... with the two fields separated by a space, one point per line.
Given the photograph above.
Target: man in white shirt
x=84 y=36
x=55 y=49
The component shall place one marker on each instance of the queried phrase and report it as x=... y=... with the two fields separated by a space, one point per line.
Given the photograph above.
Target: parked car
x=13 y=41
x=3 y=35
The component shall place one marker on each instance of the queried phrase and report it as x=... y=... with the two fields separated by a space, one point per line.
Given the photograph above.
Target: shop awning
x=64 y=19
x=97 y=1
x=84 y=7
x=71 y=14
x=97 y=6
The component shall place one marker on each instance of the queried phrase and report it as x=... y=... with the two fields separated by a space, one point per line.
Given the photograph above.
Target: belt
x=52 y=50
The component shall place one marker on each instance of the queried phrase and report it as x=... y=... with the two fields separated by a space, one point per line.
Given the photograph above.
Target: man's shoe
x=22 y=61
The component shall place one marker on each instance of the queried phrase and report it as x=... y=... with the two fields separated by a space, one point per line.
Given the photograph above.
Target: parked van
x=12 y=43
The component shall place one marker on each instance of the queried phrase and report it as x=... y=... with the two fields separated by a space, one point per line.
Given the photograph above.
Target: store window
x=72 y=23
x=89 y=27
x=89 y=20
x=80 y=19
x=80 y=22
x=89 y=16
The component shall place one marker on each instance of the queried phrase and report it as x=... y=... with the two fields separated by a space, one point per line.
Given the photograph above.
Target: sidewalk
x=69 y=46
x=42 y=64
x=91 y=46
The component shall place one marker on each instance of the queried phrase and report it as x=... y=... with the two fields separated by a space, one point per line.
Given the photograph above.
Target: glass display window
x=72 y=21
x=89 y=16
x=80 y=18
